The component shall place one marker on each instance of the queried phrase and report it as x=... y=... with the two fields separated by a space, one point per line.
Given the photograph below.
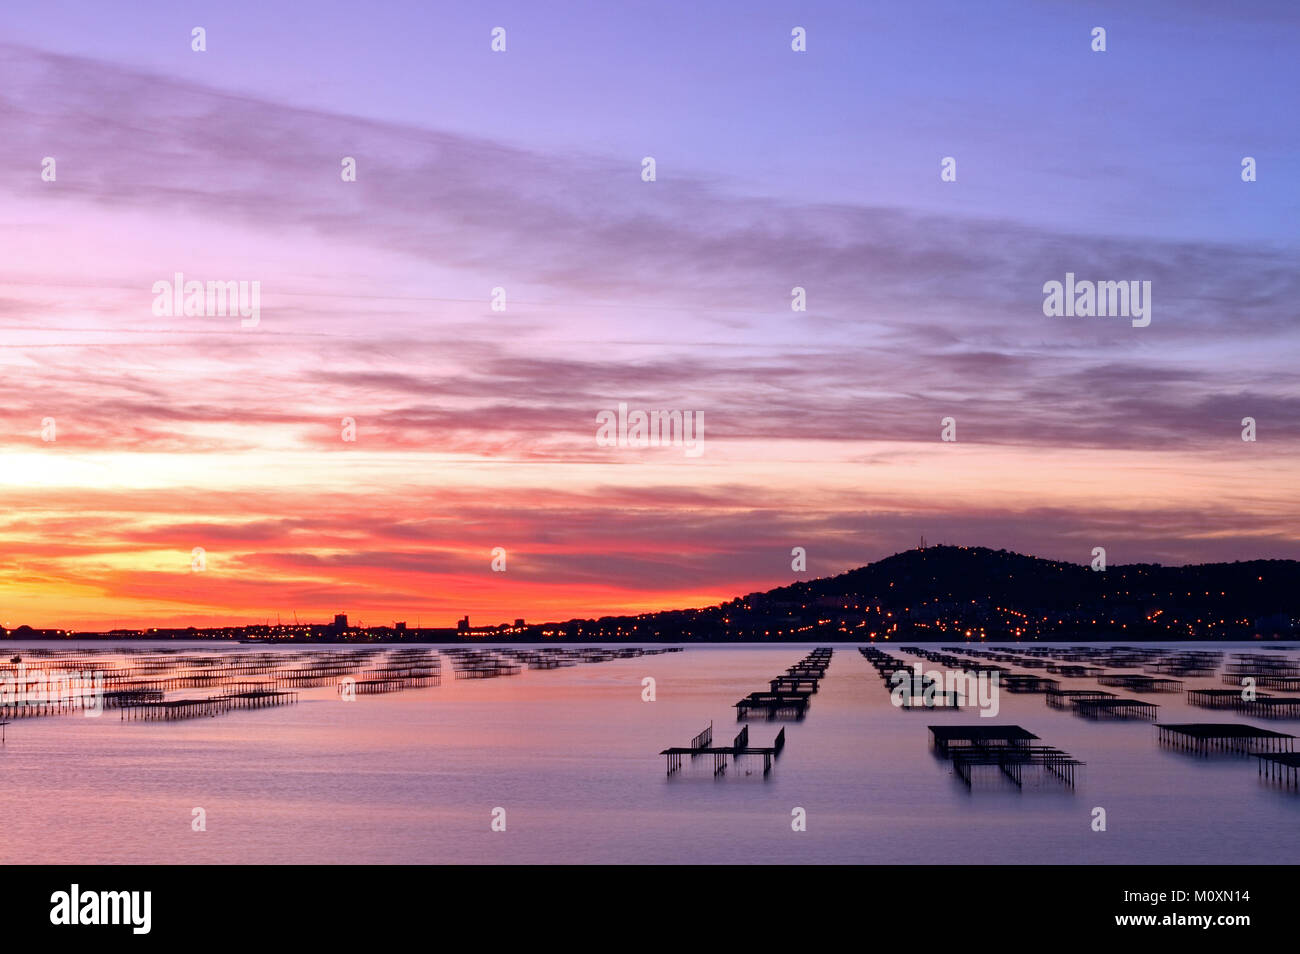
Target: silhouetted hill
x=949 y=592
x=939 y=593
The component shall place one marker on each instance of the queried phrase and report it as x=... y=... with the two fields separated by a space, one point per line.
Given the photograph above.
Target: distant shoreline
x=594 y=640
x=939 y=594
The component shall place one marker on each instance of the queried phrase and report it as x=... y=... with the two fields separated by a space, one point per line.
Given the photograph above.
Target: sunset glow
x=475 y=428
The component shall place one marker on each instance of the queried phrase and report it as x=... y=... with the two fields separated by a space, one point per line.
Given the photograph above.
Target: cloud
x=667 y=294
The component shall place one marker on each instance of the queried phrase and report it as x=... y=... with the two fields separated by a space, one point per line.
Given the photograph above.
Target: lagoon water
x=572 y=756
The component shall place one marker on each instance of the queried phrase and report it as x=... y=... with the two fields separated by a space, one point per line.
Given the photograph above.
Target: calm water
x=571 y=754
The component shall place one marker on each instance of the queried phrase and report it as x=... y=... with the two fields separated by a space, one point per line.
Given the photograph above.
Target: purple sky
x=522 y=170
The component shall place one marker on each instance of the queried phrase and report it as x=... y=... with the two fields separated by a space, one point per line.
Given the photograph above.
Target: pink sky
x=476 y=428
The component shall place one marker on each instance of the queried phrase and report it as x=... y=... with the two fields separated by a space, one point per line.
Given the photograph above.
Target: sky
x=129 y=438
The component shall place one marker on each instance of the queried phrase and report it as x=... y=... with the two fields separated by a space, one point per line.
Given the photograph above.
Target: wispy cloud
x=672 y=294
